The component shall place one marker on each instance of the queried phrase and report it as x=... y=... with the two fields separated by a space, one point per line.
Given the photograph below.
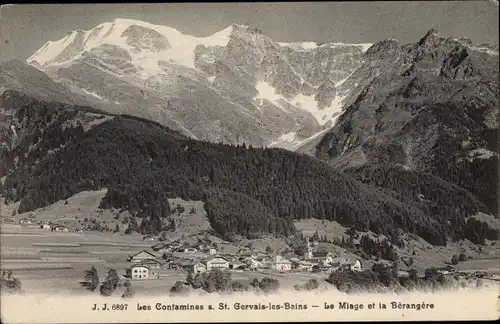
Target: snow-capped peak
x=306 y=46
x=142 y=40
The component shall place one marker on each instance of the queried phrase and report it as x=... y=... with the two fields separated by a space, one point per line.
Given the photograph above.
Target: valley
x=318 y=160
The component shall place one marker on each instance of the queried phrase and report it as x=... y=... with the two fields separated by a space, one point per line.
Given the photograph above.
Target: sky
x=25 y=28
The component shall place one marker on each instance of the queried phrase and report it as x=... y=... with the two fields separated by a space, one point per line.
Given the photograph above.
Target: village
x=59 y=250
x=162 y=258
x=204 y=258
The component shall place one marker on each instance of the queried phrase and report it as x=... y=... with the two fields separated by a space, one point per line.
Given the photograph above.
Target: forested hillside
x=61 y=150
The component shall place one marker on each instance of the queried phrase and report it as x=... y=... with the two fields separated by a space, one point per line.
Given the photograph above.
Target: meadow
x=54 y=262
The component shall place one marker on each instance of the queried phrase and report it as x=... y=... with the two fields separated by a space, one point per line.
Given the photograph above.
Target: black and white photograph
x=249 y=162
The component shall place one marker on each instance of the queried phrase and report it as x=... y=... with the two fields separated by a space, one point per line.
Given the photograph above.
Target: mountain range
x=236 y=86
x=382 y=136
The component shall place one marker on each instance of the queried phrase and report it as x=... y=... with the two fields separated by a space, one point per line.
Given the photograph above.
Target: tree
x=11 y=286
x=117 y=228
x=462 y=257
x=113 y=278
x=197 y=281
x=106 y=289
x=269 y=249
x=178 y=288
x=311 y=284
x=254 y=283
x=385 y=274
x=109 y=285
x=268 y=284
x=431 y=274
x=91 y=279
x=454 y=259
x=316 y=236
x=217 y=280
x=129 y=291
x=413 y=275
x=132 y=226
x=189 y=278
x=238 y=286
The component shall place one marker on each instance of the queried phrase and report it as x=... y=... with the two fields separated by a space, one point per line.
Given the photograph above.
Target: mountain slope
x=428 y=107
x=63 y=150
x=236 y=86
x=17 y=75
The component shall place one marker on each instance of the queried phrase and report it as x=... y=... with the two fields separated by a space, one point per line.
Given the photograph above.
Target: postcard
x=249 y=162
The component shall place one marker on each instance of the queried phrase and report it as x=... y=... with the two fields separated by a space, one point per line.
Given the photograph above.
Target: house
x=148 y=238
x=446 y=270
x=322 y=257
x=345 y=266
x=246 y=255
x=335 y=266
x=281 y=264
x=190 y=250
x=212 y=251
x=175 y=265
x=45 y=226
x=151 y=263
x=162 y=247
x=356 y=266
x=141 y=272
x=267 y=262
x=60 y=228
x=229 y=257
x=253 y=264
x=138 y=272
x=217 y=263
x=141 y=256
x=156 y=247
x=403 y=274
x=9 y=221
x=305 y=266
x=198 y=267
x=234 y=265
x=25 y=221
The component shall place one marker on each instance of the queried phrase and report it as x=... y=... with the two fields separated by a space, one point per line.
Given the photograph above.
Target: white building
x=281 y=264
x=217 y=263
x=138 y=272
x=45 y=226
x=323 y=258
x=356 y=266
x=212 y=251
